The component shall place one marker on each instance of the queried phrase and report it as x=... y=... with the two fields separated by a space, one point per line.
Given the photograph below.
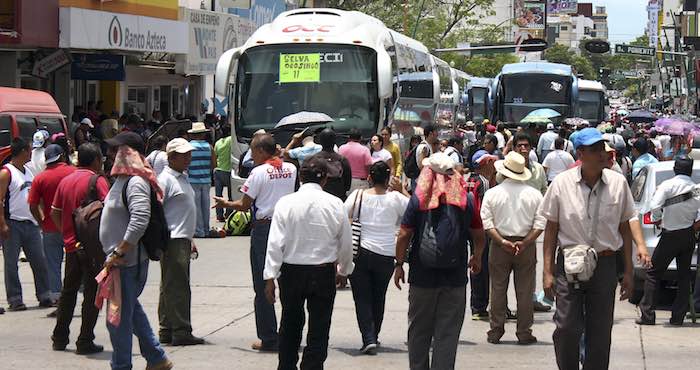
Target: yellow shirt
x=396 y=156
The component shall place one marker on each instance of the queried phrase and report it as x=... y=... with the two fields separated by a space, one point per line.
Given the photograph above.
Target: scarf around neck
x=129 y=162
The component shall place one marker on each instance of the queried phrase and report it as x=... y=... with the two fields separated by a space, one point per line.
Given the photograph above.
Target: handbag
x=356 y=225
x=581 y=260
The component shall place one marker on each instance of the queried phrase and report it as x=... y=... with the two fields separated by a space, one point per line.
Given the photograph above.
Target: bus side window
x=5 y=131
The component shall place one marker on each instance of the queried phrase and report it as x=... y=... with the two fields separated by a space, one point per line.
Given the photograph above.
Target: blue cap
x=587 y=136
x=53 y=153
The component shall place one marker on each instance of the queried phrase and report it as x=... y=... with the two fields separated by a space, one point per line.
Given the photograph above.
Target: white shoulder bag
x=581 y=260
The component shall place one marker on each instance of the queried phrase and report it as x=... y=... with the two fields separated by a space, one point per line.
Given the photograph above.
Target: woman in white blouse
x=376 y=148
x=380 y=212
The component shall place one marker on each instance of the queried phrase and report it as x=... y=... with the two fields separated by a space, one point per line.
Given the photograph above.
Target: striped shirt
x=200 y=169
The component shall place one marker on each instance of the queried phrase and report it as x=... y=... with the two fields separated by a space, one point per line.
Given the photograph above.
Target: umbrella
x=641 y=116
x=576 y=122
x=536 y=120
x=679 y=128
x=303 y=118
x=543 y=113
x=622 y=112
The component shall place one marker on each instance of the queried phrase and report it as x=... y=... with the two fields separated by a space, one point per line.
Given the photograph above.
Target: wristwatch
x=398 y=264
x=117 y=253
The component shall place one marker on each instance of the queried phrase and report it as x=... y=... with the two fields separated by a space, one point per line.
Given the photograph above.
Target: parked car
x=643 y=188
x=22 y=111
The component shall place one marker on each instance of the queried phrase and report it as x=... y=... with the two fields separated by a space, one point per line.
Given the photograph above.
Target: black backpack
x=155 y=239
x=441 y=240
x=86 y=223
x=410 y=167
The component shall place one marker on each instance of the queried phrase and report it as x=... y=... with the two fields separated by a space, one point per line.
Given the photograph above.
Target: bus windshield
x=524 y=93
x=479 y=96
x=345 y=88
x=589 y=105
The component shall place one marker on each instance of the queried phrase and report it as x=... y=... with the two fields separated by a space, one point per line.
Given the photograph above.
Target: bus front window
x=525 y=93
x=346 y=89
x=589 y=105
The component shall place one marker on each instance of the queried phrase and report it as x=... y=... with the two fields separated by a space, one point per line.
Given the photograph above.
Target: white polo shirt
x=266 y=185
x=178 y=203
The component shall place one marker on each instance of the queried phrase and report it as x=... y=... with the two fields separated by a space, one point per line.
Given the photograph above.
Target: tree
x=562 y=54
x=484 y=65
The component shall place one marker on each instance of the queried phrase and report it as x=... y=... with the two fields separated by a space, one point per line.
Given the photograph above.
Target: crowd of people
x=470 y=205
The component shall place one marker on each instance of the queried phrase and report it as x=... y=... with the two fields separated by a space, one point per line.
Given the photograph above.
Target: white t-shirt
x=266 y=185
x=381 y=155
x=158 y=159
x=557 y=162
x=380 y=218
x=501 y=140
x=38 y=162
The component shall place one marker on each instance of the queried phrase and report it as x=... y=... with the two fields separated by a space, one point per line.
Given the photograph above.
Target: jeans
x=315 y=286
x=480 y=284
x=202 y=203
x=222 y=179
x=369 y=282
x=78 y=271
x=53 y=249
x=27 y=236
x=265 y=317
x=175 y=295
x=133 y=322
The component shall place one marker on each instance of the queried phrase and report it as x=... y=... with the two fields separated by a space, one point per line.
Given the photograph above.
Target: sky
x=627 y=19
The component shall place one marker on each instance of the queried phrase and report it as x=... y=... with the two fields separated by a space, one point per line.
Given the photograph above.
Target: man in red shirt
x=41 y=196
x=70 y=194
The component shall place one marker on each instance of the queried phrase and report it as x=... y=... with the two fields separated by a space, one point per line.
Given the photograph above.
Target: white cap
x=86 y=121
x=38 y=140
x=179 y=145
x=550 y=126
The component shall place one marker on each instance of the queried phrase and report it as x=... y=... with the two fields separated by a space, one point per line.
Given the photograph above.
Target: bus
x=461 y=80
x=521 y=88
x=478 y=100
x=592 y=101
x=345 y=64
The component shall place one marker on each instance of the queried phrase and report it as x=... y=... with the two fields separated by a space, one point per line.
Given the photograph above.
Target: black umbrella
x=641 y=116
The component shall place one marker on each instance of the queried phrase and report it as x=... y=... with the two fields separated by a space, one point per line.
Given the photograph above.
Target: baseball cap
x=179 y=145
x=38 y=140
x=587 y=136
x=683 y=166
x=491 y=128
x=550 y=126
x=87 y=121
x=128 y=138
x=480 y=156
x=53 y=153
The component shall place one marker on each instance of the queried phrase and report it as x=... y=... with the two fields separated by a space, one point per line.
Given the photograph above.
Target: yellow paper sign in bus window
x=300 y=68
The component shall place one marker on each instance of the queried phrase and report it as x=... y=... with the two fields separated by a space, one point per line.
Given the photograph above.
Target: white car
x=643 y=188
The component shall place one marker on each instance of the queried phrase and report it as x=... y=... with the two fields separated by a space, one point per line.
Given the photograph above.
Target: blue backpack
x=444 y=235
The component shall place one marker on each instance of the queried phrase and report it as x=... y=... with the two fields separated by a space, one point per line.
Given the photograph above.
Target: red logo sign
x=297 y=28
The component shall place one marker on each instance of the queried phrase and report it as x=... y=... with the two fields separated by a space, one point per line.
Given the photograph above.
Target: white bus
x=592 y=101
x=345 y=64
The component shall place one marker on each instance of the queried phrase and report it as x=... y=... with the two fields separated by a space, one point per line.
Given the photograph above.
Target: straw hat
x=513 y=167
x=198 y=128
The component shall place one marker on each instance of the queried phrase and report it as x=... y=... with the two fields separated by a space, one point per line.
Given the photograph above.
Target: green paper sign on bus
x=300 y=68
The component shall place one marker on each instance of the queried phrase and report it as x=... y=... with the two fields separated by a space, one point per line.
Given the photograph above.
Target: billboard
x=530 y=14
x=562 y=6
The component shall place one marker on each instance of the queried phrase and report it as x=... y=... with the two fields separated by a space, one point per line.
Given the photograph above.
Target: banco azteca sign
x=123 y=37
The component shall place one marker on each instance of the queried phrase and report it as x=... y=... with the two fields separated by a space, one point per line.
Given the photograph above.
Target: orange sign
x=167 y=9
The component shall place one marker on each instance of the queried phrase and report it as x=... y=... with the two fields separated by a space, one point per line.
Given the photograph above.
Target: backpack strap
x=91 y=194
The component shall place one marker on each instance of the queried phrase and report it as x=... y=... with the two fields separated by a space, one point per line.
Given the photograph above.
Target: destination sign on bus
x=300 y=68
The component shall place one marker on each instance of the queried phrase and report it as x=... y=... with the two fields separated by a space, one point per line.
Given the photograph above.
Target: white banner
x=210 y=34
x=653 y=23
x=92 y=29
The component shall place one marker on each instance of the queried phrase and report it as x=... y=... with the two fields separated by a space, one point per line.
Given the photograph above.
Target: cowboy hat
x=513 y=167
x=440 y=163
x=198 y=128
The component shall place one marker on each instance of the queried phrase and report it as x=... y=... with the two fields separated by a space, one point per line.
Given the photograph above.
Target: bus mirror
x=597 y=46
x=537 y=45
x=384 y=74
x=226 y=62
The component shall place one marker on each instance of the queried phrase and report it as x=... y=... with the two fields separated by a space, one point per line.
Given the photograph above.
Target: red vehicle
x=22 y=111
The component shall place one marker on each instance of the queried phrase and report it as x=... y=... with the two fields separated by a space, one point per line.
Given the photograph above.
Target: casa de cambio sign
x=92 y=29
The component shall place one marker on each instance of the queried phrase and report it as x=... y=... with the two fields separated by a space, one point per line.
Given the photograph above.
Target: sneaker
x=264 y=347
x=190 y=340
x=641 y=321
x=15 y=307
x=541 y=307
x=89 y=349
x=163 y=365
x=510 y=315
x=479 y=316
x=369 y=349
x=531 y=339
x=493 y=340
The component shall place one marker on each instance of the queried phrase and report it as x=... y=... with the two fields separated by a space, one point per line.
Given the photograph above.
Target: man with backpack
x=76 y=189
x=414 y=160
x=440 y=219
x=339 y=173
x=179 y=206
x=126 y=216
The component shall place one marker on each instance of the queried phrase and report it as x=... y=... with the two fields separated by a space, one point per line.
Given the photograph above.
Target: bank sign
x=210 y=35
x=92 y=29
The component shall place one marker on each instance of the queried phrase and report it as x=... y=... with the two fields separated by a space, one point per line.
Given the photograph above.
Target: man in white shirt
x=680 y=220
x=454 y=150
x=310 y=233
x=509 y=214
x=175 y=300
x=267 y=183
x=545 y=142
x=557 y=161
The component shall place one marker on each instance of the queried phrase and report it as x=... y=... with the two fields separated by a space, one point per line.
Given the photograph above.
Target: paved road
x=222 y=313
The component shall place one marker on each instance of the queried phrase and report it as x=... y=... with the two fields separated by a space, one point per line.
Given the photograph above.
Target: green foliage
x=562 y=54
x=483 y=65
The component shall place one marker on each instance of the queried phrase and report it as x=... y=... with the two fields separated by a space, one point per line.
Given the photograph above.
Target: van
x=643 y=188
x=22 y=112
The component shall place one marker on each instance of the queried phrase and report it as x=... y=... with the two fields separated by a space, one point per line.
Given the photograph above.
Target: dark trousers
x=369 y=282
x=265 y=317
x=480 y=283
x=222 y=179
x=315 y=286
x=175 y=295
x=589 y=307
x=77 y=272
x=678 y=244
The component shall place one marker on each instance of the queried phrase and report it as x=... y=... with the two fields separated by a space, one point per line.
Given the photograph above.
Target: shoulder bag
x=356 y=224
x=581 y=260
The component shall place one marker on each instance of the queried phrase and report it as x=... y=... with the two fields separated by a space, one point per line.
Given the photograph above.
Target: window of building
x=586 y=30
x=564 y=28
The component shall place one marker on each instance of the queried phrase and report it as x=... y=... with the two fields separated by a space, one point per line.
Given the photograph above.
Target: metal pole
x=420 y=11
